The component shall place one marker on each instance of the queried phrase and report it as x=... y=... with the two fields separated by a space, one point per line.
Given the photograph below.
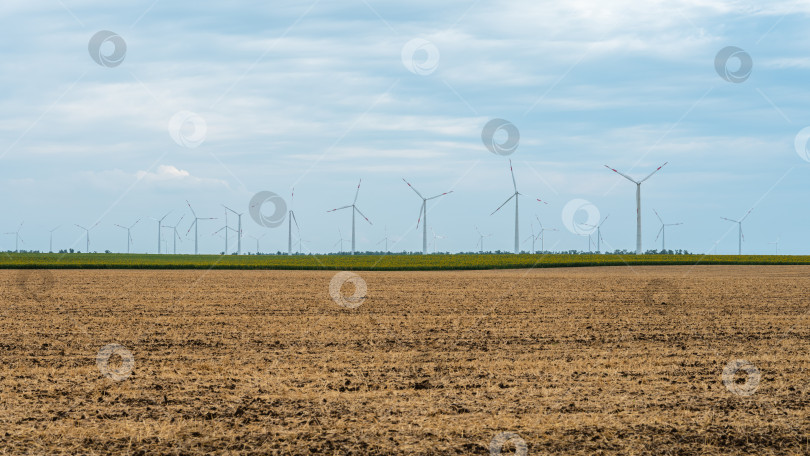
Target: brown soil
x=574 y=361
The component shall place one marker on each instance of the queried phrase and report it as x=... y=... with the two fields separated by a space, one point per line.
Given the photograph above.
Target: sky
x=117 y=113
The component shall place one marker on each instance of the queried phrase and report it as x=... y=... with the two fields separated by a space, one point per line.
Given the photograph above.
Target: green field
x=370 y=262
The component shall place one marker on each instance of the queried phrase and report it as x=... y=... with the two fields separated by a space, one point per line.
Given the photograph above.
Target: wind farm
x=184 y=270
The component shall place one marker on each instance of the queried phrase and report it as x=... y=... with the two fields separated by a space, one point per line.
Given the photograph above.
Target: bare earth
x=614 y=360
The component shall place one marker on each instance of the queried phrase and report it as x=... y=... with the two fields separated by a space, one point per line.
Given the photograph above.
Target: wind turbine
x=129 y=235
x=598 y=227
x=423 y=213
x=638 y=201
x=481 y=239
x=226 y=228
x=533 y=237
x=740 y=238
x=663 y=231
x=292 y=219
x=354 y=208
x=195 y=224
x=257 y=241
x=50 y=244
x=517 y=215
x=239 y=233
x=385 y=239
x=160 y=226
x=17 y=238
x=175 y=235
x=435 y=236
x=340 y=233
x=777 y=245
x=87 y=230
x=543 y=234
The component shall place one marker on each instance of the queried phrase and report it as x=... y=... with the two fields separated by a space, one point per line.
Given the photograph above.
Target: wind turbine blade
x=605 y=219
x=478 y=231
x=119 y=226
x=357 y=193
x=344 y=207
x=676 y=224
x=656 y=170
x=659 y=217
x=95 y=225
x=659 y=232
x=295 y=220
x=421 y=209
x=538 y=199
x=192 y=209
x=81 y=227
x=167 y=214
x=136 y=222
x=413 y=188
x=538 y=221
x=746 y=215
x=729 y=220
x=504 y=204
x=191 y=226
x=622 y=174
x=437 y=196
x=514 y=184
x=358 y=211
x=217 y=231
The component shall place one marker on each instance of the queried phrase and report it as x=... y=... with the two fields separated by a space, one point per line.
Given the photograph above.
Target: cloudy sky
x=213 y=102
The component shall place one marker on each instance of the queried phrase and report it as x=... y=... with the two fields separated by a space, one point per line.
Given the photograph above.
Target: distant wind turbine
x=423 y=213
x=257 y=239
x=87 y=231
x=175 y=235
x=196 y=225
x=638 y=201
x=598 y=227
x=17 y=238
x=740 y=237
x=663 y=231
x=516 y=196
x=129 y=232
x=543 y=234
x=239 y=231
x=50 y=244
x=354 y=208
x=481 y=237
x=776 y=244
x=160 y=228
